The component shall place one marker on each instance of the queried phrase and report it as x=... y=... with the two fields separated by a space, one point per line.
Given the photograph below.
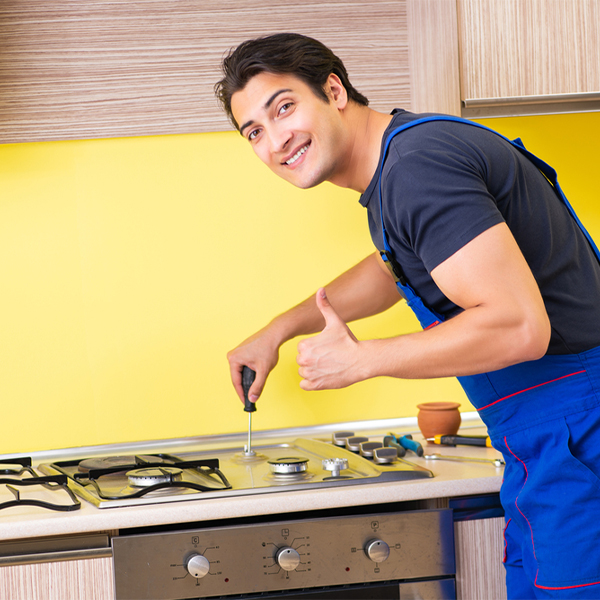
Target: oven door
x=431 y=589
x=391 y=555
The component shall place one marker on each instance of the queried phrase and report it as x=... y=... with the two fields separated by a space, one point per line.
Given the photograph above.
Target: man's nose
x=280 y=139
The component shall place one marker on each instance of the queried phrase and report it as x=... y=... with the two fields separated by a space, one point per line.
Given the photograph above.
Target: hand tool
x=406 y=441
x=248 y=376
x=498 y=462
x=389 y=441
x=461 y=440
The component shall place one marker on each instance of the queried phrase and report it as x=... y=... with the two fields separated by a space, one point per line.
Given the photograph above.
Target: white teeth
x=297 y=155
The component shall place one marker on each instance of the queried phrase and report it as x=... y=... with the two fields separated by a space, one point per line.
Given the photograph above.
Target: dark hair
x=282 y=53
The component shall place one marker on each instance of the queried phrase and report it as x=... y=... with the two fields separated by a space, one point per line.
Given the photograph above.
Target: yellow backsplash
x=130 y=266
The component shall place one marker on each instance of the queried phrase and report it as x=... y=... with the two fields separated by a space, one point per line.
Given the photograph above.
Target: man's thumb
x=326 y=309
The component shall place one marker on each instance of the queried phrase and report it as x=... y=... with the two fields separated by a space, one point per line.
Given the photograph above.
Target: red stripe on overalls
x=530 y=388
x=505 y=557
x=535 y=583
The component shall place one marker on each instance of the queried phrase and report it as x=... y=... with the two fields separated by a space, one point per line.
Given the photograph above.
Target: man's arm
x=504 y=322
x=364 y=290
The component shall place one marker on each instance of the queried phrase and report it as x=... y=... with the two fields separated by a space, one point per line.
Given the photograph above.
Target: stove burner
x=154 y=475
x=289 y=465
x=135 y=476
x=112 y=462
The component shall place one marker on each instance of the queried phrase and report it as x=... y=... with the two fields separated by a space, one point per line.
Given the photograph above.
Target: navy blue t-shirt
x=444 y=183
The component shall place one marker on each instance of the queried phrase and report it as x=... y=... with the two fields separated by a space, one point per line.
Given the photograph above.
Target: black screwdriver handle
x=248 y=376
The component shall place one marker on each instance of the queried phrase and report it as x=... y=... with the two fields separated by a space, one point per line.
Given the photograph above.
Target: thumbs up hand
x=329 y=360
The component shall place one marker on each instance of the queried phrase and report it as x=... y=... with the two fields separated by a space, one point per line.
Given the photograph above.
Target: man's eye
x=252 y=135
x=285 y=107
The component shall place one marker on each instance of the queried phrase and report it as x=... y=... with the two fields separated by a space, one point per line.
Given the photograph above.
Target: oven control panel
x=284 y=555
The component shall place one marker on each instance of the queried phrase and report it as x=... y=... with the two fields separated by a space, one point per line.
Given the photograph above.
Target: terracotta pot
x=438 y=418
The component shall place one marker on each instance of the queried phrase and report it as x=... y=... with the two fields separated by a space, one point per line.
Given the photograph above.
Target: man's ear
x=336 y=91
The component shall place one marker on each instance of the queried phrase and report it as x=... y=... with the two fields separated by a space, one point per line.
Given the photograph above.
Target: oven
x=381 y=551
x=358 y=554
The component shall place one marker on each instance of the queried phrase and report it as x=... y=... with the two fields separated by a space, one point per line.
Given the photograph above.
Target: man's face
x=296 y=134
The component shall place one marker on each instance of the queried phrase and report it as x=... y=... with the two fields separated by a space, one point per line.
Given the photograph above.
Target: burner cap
x=110 y=462
x=288 y=465
x=153 y=475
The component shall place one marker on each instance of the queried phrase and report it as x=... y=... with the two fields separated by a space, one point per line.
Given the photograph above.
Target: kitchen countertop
x=451 y=479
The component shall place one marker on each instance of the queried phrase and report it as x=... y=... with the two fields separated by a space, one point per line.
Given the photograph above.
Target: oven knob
x=197 y=566
x=287 y=558
x=377 y=550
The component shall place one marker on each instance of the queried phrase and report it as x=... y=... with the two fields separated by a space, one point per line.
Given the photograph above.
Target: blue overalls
x=544 y=416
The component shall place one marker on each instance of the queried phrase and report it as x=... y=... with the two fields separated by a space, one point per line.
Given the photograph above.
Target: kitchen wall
x=130 y=266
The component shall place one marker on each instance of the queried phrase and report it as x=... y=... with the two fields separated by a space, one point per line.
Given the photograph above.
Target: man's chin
x=304 y=183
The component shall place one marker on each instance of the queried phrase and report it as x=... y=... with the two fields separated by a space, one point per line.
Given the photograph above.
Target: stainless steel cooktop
x=131 y=480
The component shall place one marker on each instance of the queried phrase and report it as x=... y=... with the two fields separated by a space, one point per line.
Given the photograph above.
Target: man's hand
x=329 y=360
x=260 y=354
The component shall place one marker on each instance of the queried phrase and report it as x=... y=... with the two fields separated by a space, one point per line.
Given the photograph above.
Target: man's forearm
x=364 y=290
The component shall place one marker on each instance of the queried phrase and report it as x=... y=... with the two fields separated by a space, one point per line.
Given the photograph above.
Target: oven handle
x=44 y=557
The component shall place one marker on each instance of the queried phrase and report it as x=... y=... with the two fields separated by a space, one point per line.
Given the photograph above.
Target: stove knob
x=287 y=558
x=377 y=550
x=197 y=566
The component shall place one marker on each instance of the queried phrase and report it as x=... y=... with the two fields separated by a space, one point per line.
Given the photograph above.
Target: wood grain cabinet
x=74 y=567
x=74 y=70
x=93 y=69
x=90 y=579
x=480 y=573
x=529 y=56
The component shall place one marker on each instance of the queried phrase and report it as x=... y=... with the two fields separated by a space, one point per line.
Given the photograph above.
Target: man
x=503 y=278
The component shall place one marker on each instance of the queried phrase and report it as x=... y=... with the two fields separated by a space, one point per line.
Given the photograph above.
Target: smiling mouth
x=296 y=156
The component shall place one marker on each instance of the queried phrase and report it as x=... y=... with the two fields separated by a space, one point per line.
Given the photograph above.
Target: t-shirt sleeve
x=437 y=203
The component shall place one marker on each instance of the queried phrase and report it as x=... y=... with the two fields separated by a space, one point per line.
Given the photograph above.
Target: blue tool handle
x=389 y=441
x=248 y=376
x=410 y=444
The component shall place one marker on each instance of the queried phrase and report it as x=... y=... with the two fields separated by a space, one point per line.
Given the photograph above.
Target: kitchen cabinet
x=77 y=567
x=479 y=570
x=529 y=56
x=73 y=70
x=80 y=70
x=90 y=579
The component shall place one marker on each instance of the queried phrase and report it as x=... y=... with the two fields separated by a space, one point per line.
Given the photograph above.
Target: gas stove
x=304 y=463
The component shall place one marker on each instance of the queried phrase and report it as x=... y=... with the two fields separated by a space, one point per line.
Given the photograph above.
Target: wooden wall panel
x=108 y=68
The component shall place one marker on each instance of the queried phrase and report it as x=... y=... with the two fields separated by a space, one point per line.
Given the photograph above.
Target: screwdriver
x=461 y=440
x=248 y=376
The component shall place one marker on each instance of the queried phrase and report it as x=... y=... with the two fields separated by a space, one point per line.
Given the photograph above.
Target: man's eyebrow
x=266 y=105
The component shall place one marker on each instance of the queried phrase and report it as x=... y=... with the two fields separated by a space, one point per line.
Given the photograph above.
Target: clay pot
x=438 y=418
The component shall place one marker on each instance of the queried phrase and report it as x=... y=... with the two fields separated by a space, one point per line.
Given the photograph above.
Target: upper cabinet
x=529 y=56
x=71 y=69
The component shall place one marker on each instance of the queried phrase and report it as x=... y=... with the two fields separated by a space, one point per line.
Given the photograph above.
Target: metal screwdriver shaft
x=248 y=376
